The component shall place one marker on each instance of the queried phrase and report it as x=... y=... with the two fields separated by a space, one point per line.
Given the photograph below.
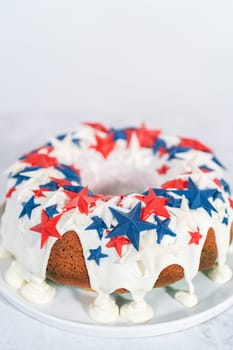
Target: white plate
x=69 y=308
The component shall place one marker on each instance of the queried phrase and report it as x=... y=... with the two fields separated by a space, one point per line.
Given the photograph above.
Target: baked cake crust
x=67 y=265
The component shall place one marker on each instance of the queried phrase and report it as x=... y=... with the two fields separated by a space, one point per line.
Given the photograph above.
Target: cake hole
x=118 y=179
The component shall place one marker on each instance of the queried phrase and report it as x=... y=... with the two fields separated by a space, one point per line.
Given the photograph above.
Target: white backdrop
x=168 y=62
x=117 y=59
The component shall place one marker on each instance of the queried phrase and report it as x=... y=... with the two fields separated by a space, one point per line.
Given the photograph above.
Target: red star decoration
x=70 y=194
x=48 y=149
x=195 y=236
x=120 y=201
x=60 y=182
x=162 y=151
x=104 y=145
x=97 y=126
x=186 y=142
x=231 y=202
x=40 y=159
x=217 y=182
x=47 y=228
x=187 y=173
x=154 y=205
x=204 y=170
x=178 y=184
x=39 y=193
x=80 y=200
x=117 y=243
x=163 y=169
x=146 y=137
x=10 y=191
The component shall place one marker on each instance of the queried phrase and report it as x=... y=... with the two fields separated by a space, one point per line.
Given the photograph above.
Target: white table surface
x=166 y=62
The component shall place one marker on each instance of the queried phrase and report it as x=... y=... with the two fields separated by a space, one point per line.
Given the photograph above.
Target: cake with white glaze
x=116 y=210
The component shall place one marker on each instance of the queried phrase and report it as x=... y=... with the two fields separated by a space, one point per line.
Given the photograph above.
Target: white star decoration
x=193 y=159
x=16 y=168
x=130 y=200
x=73 y=221
x=103 y=211
x=138 y=155
x=87 y=135
x=37 y=178
x=65 y=150
x=183 y=215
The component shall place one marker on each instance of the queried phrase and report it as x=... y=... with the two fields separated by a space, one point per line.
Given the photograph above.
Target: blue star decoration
x=61 y=137
x=225 y=186
x=97 y=224
x=205 y=168
x=130 y=225
x=174 y=202
x=51 y=211
x=196 y=198
x=217 y=161
x=199 y=198
x=30 y=168
x=225 y=220
x=218 y=195
x=76 y=141
x=72 y=188
x=118 y=134
x=96 y=254
x=177 y=149
x=69 y=173
x=162 y=228
x=28 y=208
x=50 y=186
x=20 y=178
x=159 y=143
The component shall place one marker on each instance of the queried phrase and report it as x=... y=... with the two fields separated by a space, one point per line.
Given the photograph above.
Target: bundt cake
x=113 y=211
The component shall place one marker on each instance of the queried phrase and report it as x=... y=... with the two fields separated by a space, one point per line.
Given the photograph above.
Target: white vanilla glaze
x=186 y=298
x=220 y=273
x=129 y=168
x=15 y=275
x=37 y=291
x=137 y=311
x=104 y=309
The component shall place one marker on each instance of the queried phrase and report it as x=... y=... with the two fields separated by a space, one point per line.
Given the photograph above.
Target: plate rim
x=121 y=331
